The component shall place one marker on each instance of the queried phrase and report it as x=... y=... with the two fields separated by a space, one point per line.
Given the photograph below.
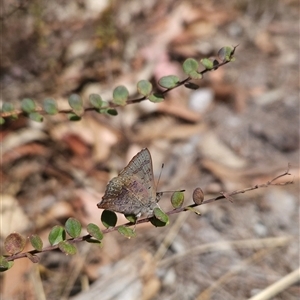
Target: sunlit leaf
x=50 y=106
x=28 y=105
x=126 y=231
x=120 y=95
x=67 y=248
x=168 y=81
x=156 y=97
x=56 y=235
x=36 y=242
x=76 y=104
x=94 y=231
x=177 y=199
x=35 y=116
x=73 y=227
x=190 y=65
x=144 y=87
x=96 y=100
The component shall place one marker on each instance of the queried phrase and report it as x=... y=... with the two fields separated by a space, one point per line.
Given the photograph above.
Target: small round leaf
x=161 y=216
x=198 y=196
x=14 y=243
x=131 y=218
x=195 y=75
x=7 y=107
x=207 y=63
x=35 y=116
x=226 y=53
x=50 y=106
x=36 y=242
x=76 y=104
x=94 y=231
x=190 y=65
x=120 y=95
x=168 y=81
x=5 y=264
x=177 y=199
x=95 y=100
x=27 y=105
x=67 y=248
x=156 y=97
x=144 y=87
x=56 y=235
x=126 y=231
x=2 y=121
x=73 y=227
x=109 y=218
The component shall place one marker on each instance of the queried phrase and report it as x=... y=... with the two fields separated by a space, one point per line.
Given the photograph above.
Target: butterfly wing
x=133 y=191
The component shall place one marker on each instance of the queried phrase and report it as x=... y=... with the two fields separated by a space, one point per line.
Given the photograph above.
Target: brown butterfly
x=133 y=191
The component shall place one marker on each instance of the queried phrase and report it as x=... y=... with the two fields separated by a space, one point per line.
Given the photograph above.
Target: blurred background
x=239 y=129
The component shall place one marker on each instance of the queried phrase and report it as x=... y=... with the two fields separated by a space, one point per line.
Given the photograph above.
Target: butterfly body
x=132 y=192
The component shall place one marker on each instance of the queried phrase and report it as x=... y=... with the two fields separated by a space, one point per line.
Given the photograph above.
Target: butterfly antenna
x=159 y=194
x=162 y=166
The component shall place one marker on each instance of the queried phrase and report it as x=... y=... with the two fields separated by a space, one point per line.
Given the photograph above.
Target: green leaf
x=2 y=121
x=50 y=106
x=27 y=105
x=94 y=231
x=195 y=75
x=109 y=218
x=156 y=97
x=190 y=65
x=144 y=87
x=35 y=116
x=14 y=243
x=177 y=199
x=5 y=264
x=131 y=218
x=56 y=235
x=198 y=196
x=160 y=219
x=120 y=95
x=73 y=117
x=226 y=53
x=73 y=227
x=168 y=81
x=160 y=215
x=96 y=100
x=36 y=242
x=7 y=107
x=67 y=248
x=76 y=104
x=126 y=231
x=194 y=210
x=207 y=63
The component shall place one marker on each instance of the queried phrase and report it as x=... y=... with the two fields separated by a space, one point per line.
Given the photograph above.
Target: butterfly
x=133 y=191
